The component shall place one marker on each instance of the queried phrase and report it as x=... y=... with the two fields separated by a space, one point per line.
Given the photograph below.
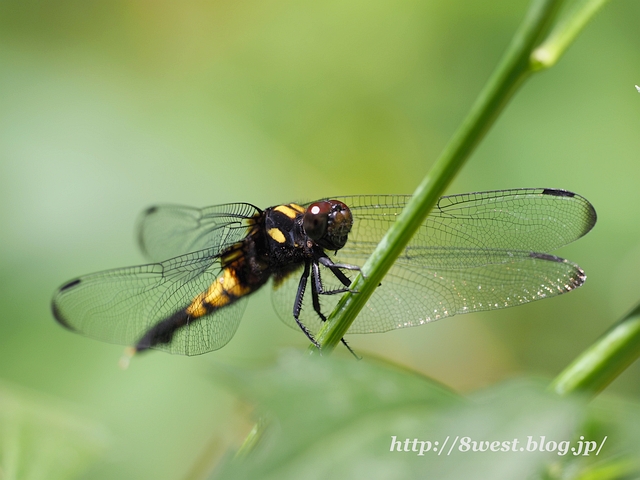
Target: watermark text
x=468 y=444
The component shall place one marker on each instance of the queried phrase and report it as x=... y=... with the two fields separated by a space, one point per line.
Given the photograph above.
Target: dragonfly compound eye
x=315 y=220
x=328 y=223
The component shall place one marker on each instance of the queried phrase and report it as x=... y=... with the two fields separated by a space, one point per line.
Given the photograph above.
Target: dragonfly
x=473 y=252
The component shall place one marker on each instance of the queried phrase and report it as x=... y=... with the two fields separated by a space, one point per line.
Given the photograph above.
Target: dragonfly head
x=328 y=223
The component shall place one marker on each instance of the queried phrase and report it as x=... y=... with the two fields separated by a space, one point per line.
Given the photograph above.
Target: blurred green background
x=107 y=107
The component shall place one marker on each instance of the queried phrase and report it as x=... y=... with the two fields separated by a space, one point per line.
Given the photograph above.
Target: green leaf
x=602 y=362
x=613 y=424
x=41 y=440
x=336 y=417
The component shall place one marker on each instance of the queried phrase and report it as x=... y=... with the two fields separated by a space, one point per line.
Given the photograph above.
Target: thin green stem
x=564 y=32
x=255 y=436
x=514 y=68
x=607 y=358
x=517 y=64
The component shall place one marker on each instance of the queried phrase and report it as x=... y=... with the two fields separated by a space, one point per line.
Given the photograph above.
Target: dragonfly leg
x=317 y=281
x=327 y=262
x=297 y=306
x=316 y=289
x=336 y=270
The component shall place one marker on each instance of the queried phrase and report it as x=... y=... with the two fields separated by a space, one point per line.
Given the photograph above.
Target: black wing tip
x=577 y=280
x=59 y=318
x=69 y=285
x=547 y=256
x=150 y=210
x=54 y=307
x=557 y=192
x=591 y=215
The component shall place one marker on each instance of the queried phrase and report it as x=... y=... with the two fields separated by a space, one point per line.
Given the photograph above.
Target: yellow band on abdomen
x=220 y=293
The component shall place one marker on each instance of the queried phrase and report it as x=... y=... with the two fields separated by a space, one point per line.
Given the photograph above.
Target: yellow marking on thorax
x=276 y=234
x=220 y=293
x=292 y=210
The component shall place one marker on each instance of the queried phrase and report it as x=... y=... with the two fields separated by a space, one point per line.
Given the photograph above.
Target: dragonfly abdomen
x=225 y=290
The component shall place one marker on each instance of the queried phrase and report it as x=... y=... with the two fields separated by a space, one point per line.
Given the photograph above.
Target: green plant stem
x=514 y=68
x=255 y=436
x=569 y=25
x=601 y=363
x=517 y=64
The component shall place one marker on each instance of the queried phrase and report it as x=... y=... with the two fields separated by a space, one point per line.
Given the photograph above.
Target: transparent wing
x=167 y=231
x=538 y=220
x=413 y=294
x=476 y=251
x=120 y=306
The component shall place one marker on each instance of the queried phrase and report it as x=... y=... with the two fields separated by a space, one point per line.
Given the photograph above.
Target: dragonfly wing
x=535 y=220
x=474 y=252
x=167 y=231
x=121 y=305
x=417 y=291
